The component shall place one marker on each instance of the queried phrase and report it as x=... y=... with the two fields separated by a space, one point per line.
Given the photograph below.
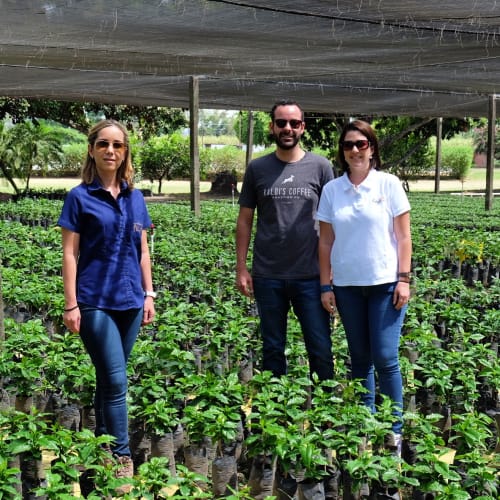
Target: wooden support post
x=248 y=157
x=439 y=137
x=490 y=160
x=194 y=108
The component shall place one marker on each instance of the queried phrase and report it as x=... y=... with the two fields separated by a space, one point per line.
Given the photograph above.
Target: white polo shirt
x=364 y=252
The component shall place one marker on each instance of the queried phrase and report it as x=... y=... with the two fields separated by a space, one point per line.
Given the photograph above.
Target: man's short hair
x=286 y=102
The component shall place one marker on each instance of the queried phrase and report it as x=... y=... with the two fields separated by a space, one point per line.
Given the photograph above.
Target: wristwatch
x=150 y=293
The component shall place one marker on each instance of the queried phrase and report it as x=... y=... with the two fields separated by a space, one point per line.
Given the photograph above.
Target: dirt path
x=452 y=186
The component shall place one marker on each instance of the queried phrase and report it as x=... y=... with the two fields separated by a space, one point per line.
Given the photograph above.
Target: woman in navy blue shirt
x=106 y=271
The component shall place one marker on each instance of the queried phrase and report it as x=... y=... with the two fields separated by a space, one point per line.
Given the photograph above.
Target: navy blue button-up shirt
x=108 y=271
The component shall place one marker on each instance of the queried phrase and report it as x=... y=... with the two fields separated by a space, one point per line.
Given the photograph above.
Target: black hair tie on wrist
x=71 y=309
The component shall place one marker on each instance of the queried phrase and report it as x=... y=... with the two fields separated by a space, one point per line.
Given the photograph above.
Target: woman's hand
x=72 y=320
x=401 y=295
x=149 y=311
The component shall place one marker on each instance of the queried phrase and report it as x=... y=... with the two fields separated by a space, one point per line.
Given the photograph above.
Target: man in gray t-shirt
x=284 y=187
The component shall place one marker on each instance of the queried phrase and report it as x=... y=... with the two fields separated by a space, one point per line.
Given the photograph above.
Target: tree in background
x=403 y=140
x=165 y=157
x=480 y=139
x=261 y=121
x=145 y=121
x=20 y=153
x=322 y=132
x=226 y=159
x=26 y=146
x=215 y=122
x=404 y=145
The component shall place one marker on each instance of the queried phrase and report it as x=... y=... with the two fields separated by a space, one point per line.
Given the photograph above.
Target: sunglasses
x=103 y=145
x=349 y=145
x=281 y=123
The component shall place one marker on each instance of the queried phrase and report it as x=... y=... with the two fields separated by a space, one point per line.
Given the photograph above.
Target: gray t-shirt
x=286 y=197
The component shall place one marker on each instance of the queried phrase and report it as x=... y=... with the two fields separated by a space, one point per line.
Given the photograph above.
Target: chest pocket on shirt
x=136 y=235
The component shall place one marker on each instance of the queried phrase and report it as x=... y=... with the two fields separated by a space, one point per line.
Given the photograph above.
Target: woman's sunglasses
x=349 y=145
x=103 y=145
x=281 y=123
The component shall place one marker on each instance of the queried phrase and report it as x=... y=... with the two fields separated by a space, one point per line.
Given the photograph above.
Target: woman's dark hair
x=366 y=129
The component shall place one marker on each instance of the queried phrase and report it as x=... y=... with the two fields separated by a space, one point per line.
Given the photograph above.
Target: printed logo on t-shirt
x=137 y=227
x=286 y=190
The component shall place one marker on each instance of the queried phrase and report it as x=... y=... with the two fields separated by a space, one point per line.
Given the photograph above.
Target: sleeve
x=248 y=197
x=399 y=200
x=138 y=210
x=147 y=223
x=327 y=171
x=70 y=214
x=325 y=207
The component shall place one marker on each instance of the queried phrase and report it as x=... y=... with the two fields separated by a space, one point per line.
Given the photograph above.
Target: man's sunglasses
x=349 y=145
x=103 y=145
x=281 y=123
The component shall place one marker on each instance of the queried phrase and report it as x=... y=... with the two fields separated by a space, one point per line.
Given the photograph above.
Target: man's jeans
x=274 y=298
x=109 y=337
x=373 y=329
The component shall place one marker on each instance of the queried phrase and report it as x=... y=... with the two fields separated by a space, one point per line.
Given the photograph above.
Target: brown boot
x=125 y=469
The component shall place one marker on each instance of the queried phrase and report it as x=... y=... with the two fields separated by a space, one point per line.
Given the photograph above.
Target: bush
x=456 y=157
x=457 y=161
x=226 y=159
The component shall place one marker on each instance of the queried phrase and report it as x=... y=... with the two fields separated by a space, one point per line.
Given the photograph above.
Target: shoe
x=125 y=469
x=394 y=443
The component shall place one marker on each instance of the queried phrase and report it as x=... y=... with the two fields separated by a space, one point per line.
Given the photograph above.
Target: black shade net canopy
x=370 y=57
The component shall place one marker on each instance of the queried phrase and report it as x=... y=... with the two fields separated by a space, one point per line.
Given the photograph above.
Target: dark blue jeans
x=109 y=337
x=274 y=298
x=373 y=329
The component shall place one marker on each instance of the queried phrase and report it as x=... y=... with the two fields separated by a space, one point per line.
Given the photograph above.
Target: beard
x=278 y=139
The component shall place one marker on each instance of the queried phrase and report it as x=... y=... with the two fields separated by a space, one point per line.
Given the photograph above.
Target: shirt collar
x=95 y=185
x=366 y=185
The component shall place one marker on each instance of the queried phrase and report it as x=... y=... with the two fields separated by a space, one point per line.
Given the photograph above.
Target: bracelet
x=71 y=309
x=404 y=275
x=325 y=288
x=404 y=281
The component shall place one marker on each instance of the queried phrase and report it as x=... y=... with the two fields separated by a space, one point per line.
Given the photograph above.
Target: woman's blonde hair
x=125 y=172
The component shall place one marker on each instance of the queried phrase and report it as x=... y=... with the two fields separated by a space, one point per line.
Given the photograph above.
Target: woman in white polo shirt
x=365 y=257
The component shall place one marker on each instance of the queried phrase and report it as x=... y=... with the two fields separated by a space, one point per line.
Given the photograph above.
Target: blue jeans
x=109 y=337
x=274 y=298
x=373 y=329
